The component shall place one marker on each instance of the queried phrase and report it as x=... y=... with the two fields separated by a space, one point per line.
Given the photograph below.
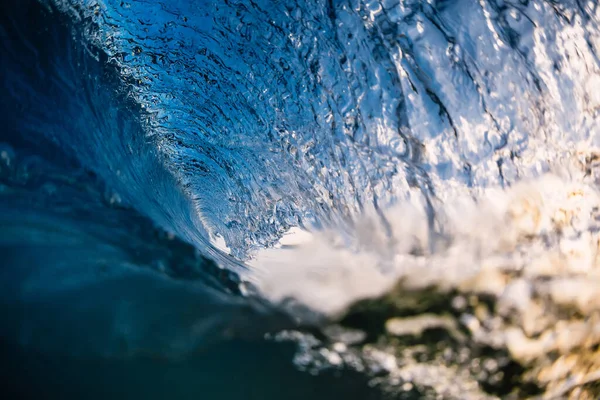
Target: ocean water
x=194 y=192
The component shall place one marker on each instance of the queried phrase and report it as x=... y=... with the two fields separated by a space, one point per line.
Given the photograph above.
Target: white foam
x=545 y=226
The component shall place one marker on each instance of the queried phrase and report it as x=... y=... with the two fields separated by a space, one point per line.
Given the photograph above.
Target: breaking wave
x=276 y=163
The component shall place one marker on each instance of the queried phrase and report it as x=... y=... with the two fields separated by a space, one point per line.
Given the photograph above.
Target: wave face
x=154 y=154
x=94 y=227
x=275 y=114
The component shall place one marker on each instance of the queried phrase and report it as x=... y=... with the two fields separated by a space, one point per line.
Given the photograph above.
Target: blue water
x=272 y=114
x=104 y=293
x=135 y=135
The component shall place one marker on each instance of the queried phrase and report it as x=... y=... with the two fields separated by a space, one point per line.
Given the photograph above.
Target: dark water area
x=229 y=371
